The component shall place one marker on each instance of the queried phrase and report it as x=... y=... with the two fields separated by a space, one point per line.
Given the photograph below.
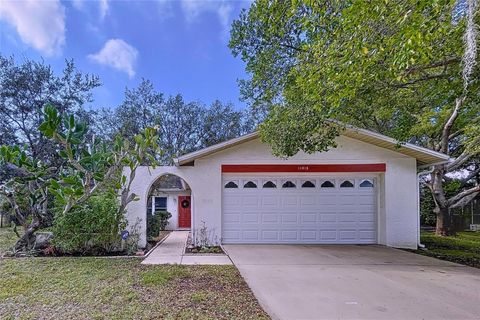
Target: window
x=308 y=184
x=250 y=184
x=269 y=184
x=366 y=184
x=289 y=184
x=160 y=204
x=347 y=184
x=231 y=185
x=327 y=184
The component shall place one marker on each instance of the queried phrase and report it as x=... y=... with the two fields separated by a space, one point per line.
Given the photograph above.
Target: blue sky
x=179 y=45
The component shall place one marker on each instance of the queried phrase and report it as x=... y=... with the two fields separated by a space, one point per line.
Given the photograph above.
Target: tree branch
x=457 y=198
x=449 y=124
x=459 y=161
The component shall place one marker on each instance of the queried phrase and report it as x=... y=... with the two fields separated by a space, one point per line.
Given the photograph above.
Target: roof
x=169 y=182
x=423 y=155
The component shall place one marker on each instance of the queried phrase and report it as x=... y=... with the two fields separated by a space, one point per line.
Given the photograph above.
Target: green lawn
x=463 y=248
x=7 y=239
x=119 y=288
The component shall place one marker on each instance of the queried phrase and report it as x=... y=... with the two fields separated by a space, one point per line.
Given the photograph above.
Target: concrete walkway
x=356 y=282
x=171 y=251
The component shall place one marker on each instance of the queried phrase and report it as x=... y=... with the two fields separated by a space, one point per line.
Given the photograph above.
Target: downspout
x=421 y=173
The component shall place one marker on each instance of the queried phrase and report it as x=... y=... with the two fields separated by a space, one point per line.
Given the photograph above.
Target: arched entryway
x=170 y=193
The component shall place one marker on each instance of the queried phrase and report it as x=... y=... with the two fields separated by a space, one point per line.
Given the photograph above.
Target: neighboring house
x=364 y=191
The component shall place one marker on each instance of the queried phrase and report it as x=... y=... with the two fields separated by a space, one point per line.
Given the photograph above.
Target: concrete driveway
x=356 y=282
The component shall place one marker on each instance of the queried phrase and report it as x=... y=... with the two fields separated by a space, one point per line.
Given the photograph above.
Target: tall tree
x=90 y=167
x=26 y=88
x=390 y=66
x=183 y=126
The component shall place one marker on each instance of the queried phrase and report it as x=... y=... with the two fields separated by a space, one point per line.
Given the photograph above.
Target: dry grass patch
x=122 y=288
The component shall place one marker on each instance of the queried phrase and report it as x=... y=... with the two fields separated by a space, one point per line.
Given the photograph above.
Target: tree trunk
x=26 y=242
x=443 y=226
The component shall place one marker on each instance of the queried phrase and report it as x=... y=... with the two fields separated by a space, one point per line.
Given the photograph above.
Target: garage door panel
x=231 y=235
x=288 y=218
x=270 y=235
x=288 y=200
x=299 y=215
x=249 y=235
x=308 y=218
x=328 y=235
x=232 y=200
x=250 y=218
x=325 y=200
x=270 y=201
x=231 y=217
x=289 y=235
x=328 y=217
x=347 y=235
x=250 y=200
x=308 y=235
x=366 y=235
x=306 y=200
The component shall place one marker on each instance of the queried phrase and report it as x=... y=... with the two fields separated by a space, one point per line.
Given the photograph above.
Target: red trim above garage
x=370 y=167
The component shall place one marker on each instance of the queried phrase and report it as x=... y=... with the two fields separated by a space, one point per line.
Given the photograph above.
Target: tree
x=26 y=88
x=183 y=126
x=89 y=167
x=390 y=66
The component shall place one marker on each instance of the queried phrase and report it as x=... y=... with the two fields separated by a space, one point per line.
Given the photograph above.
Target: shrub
x=93 y=227
x=157 y=222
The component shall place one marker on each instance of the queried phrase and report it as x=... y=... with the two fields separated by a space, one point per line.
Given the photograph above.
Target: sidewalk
x=171 y=251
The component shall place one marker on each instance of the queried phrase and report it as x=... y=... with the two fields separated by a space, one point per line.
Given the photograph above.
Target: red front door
x=184 y=211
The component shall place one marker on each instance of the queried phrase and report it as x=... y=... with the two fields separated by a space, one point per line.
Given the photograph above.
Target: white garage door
x=299 y=210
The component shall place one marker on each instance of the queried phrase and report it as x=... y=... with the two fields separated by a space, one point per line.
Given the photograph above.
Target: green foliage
x=157 y=222
x=183 y=126
x=390 y=66
x=427 y=206
x=27 y=86
x=463 y=248
x=89 y=167
x=91 y=227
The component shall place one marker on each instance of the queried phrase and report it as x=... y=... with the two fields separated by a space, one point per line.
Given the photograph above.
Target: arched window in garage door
x=288 y=184
x=327 y=184
x=269 y=184
x=231 y=185
x=308 y=184
x=367 y=183
x=347 y=184
x=250 y=185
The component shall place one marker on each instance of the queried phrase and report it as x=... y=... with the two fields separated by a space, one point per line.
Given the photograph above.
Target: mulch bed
x=190 y=248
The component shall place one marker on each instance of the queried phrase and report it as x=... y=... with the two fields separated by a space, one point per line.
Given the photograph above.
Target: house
x=364 y=191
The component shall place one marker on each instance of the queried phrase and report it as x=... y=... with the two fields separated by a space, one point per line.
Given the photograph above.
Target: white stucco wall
x=397 y=215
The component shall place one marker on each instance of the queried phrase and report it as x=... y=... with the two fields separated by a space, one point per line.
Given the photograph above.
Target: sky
x=181 y=45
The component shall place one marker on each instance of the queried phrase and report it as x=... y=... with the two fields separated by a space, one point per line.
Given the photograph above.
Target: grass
x=119 y=288
x=463 y=248
x=7 y=240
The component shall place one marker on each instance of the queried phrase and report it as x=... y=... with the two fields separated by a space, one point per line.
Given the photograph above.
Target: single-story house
x=364 y=191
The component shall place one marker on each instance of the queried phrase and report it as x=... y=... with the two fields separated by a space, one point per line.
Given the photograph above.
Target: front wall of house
x=397 y=209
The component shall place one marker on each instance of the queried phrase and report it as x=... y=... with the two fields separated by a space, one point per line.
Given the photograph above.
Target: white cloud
x=40 y=24
x=103 y=8
x=194 y=8
x=117 y=54
x=78 y=4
